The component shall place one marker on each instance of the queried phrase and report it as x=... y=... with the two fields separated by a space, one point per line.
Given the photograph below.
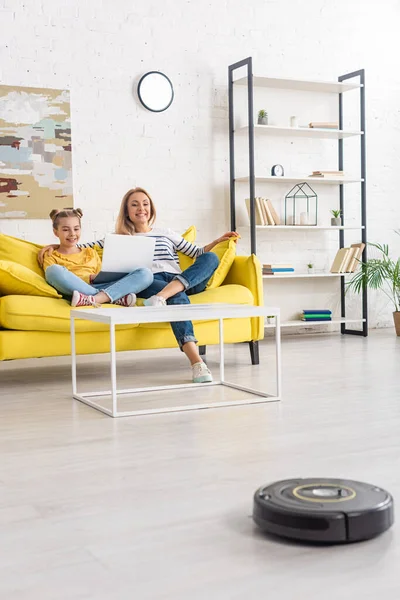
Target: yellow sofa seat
x=35 y=313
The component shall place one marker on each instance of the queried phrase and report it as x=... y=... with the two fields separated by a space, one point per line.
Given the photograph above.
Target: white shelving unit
x=311 y=227
x=311 y=132
x=300 y=85
x=255 y=132
x=301 y=275
x=299 y=179
x=299 y=323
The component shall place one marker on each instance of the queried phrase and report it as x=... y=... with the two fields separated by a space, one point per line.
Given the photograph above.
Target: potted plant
x=336 y=220
x=381 y=273
x=271 y=320
x=310 y=267
x=262 y=117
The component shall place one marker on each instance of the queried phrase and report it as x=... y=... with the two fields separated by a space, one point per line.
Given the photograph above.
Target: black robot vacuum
x=323 y=510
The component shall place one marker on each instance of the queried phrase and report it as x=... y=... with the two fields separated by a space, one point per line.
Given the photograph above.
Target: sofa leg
x=202 y=350
x=254 y=353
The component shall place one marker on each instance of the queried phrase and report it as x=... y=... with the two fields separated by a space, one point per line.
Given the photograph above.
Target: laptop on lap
x=123 y=254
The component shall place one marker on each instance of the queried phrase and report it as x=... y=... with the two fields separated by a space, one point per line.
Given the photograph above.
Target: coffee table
x=192 y=312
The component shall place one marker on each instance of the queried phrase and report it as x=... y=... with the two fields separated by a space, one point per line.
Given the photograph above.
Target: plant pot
x=262 y=121
x=310 y=270
x=270 y=320
x=396 y=319
x=336 y=221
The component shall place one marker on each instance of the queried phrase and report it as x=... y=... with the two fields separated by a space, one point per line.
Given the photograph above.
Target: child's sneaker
x=155 y=301
x=128 y=300
x=201 y=373
x=79 y=299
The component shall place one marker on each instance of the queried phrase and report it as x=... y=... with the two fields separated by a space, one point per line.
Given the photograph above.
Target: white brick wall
x=99 y=49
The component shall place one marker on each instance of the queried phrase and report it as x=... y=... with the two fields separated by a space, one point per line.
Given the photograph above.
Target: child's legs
x=66 y=282
x=134 y=282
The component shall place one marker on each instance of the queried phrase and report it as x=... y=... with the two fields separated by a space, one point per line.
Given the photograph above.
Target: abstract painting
x=35 y=152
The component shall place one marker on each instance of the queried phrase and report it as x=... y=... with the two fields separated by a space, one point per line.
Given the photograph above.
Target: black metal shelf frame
x=248 y=63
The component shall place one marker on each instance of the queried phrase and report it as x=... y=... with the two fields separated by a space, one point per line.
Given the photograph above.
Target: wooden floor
x=158 y=507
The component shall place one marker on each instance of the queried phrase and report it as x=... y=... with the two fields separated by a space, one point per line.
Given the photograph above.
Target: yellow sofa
x=35 y=320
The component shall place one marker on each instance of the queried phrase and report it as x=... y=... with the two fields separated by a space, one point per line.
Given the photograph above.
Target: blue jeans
x=195 y=279
x=66 y=282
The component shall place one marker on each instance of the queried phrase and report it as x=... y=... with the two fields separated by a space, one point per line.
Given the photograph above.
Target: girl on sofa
x=71 y=269
x=170 y=286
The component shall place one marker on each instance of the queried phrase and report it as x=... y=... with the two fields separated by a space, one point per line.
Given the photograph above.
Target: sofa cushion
x=225 y=294
x=19 y=251
x=190 y=236
x=16 y=279
x=226 y=252
x=32 y=313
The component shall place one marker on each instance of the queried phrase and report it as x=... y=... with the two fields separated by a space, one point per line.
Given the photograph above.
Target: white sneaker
x=201 y=373
x=155 y=301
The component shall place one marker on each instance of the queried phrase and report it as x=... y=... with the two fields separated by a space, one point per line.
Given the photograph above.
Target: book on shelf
x=356 y=257
x=259 y=218
x=275 y=217
x=346 y=259
x=339 y=260
x=324 y=125
x=318 y=318
x=264 y=210
x=268 y=214
x=271 y=269
x=316 y=315
x=327 y=174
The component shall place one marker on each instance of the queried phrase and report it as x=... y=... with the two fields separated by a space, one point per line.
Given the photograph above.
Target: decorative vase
x=396 y=319
x=336 y=221
x=262 y=120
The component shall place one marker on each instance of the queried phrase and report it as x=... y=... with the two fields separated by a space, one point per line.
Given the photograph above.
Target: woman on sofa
x=170 y=286
x=71 y=269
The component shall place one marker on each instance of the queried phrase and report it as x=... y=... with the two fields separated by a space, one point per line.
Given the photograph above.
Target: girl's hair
x=124 y=225
x=58 y=213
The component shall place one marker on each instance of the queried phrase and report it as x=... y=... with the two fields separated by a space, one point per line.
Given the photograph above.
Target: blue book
x=281 y=270
x=317 y=311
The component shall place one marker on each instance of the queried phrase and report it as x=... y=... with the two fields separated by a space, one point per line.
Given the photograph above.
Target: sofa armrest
x=246 y=271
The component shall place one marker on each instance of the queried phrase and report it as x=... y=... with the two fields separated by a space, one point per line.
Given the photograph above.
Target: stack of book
x=329 y=174
x=265 y=212
x=347 y=259
x=324 y=125
x=271 y=269
x=316 y=315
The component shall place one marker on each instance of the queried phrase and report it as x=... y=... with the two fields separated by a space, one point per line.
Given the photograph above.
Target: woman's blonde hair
x=124 y=225
x=58 y=213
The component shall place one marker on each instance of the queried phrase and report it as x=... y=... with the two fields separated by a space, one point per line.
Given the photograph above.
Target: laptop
x=123 y=254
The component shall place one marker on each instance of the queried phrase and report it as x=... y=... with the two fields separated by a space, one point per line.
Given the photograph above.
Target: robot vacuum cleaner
x=322 y=510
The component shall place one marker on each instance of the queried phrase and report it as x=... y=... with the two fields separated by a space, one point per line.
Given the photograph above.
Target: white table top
x=187 y=312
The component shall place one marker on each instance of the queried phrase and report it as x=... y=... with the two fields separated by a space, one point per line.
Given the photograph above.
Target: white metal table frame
x=193 y=312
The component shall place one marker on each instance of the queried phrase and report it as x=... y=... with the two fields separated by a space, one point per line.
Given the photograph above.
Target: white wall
x=99 y=49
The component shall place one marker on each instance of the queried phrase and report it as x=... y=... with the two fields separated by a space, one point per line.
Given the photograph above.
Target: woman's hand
x=226 y=236
x=46 y=250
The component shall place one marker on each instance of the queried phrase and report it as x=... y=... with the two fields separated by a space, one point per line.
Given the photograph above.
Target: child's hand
x=46 y=250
